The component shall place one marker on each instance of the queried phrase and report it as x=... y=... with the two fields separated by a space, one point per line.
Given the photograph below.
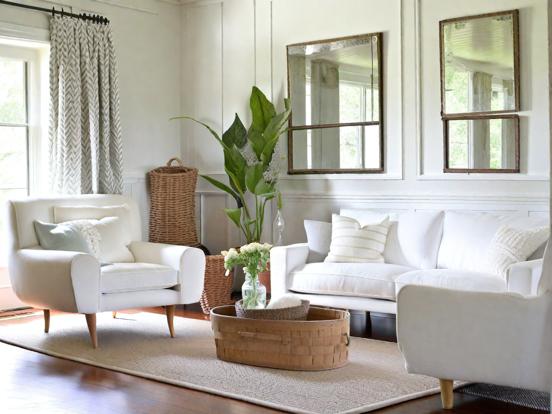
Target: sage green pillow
x=60 y=237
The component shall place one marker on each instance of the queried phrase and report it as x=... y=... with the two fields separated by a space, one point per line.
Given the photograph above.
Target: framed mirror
x=480 y=84
x=482 y=144
x=336 y=123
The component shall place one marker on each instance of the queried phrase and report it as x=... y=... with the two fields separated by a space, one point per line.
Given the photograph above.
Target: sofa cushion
x=372 y=280
x=353 y=243
x=132 y=277
x=413 y=239
x=467 y=237
x=452 y=279
x=319 y=238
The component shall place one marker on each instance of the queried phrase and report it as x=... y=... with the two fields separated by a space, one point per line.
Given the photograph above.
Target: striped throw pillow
x=353 y=243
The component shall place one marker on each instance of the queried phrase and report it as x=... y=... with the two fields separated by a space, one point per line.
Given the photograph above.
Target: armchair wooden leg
x=169 y=310
x=114 y=314
x=91 y=322
x=46 y=320
x=447 y=393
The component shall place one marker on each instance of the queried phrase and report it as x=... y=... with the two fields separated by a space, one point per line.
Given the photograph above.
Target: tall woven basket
x=172 y=212
x=217 y=287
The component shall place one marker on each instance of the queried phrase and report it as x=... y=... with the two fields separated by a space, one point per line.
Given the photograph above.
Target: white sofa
x=444 y=249
x=160 y=275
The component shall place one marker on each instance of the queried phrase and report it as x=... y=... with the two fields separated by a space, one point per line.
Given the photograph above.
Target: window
x=22 y=169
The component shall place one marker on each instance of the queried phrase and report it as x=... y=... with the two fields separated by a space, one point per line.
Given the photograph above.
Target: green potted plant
x=250 y=163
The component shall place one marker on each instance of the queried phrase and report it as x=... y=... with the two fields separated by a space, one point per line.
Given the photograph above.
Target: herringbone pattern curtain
x=84 y=132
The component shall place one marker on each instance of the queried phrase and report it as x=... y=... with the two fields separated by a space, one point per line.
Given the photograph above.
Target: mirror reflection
x=488 y=143
x=351 y=147
x=335 y=91
x=479 y=64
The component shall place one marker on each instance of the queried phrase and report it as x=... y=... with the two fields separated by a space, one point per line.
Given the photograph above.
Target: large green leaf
x=257 y=141
x=264 y=189
x=235 y=215
x=236 y=134
x=235 y=166
x=253 y=176
x=211 y=130
x=262 y=109
x=225 y=188
x=276 y=127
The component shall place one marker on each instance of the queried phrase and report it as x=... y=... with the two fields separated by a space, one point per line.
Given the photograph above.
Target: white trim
x=21 y=32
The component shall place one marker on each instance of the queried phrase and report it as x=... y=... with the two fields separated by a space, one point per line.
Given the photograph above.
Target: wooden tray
x=319 y=343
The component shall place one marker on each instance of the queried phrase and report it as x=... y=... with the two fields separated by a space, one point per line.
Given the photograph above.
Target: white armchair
x=497 y=338
x=162 y=274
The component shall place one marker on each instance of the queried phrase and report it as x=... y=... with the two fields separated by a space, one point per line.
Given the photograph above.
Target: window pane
x=350 y=99
x=13 y=157
x=12 y=91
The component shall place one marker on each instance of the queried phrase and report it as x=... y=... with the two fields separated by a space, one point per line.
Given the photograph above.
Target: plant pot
x=264 y=278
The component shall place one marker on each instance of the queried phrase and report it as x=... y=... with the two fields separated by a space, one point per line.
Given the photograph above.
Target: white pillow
x=71 y=213
x=106 y=239
x=353 y=243
x=319 y=238
x=510 y=245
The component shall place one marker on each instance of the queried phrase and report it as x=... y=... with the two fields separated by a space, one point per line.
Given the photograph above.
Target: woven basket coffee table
x=319 y=343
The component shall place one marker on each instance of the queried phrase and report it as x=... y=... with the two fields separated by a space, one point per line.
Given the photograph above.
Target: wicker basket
x=172 y=212
x=217 y=287
x=319 y=343
x=294 y=313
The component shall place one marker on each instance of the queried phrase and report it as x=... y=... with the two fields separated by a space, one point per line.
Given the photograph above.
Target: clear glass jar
x=253 y=292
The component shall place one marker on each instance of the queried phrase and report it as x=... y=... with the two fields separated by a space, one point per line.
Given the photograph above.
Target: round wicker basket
x=294 y=313
x=319 y=343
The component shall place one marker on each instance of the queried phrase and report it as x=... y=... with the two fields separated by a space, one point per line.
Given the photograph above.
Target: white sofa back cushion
x=28 y=210
x=319 y=238
x=413 y=239
x=467 y=237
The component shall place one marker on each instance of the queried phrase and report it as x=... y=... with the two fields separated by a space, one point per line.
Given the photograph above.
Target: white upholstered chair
x=497 y=338
x=162 y=274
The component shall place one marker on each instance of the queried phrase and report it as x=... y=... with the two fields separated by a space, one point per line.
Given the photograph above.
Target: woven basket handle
x=178 y=160
x=261 y=336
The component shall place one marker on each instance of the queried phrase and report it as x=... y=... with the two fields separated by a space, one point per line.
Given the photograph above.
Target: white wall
x=230 y=45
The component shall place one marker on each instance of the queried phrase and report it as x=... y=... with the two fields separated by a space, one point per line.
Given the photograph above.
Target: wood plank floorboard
x=31 y=382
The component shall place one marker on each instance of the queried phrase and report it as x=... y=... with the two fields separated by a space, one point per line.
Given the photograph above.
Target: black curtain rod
x=84 y=16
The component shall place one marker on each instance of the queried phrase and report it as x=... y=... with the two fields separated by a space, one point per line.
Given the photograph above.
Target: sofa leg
x=91 y=322
x=114 y=314
x=169 y=310
x=46 y=320
x=447 y=393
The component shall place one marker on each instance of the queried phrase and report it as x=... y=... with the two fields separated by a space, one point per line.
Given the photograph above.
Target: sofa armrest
x=497 y=338
x=283 y=260
x=55 y=279
x=523 y=277
x=188 y=261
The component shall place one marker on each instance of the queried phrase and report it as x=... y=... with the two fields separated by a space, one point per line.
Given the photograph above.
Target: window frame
x=33 y=58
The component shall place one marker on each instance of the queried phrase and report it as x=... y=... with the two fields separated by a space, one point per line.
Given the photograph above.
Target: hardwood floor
x=31 y=382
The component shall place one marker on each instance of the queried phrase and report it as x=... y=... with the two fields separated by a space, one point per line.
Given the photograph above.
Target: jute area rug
x=139 y=344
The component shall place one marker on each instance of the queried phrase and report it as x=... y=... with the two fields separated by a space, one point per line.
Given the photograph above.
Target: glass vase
x=253 y=292
x=279 y=226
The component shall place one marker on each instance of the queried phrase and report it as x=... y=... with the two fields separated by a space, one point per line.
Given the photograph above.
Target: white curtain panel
x=84 y=132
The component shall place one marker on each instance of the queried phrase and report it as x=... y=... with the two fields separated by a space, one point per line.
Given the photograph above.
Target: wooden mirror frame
x=380 y=122
x=448 y=169
x=501 y=114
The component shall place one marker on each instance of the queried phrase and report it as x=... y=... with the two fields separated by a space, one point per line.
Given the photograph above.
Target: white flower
x=230 y=254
